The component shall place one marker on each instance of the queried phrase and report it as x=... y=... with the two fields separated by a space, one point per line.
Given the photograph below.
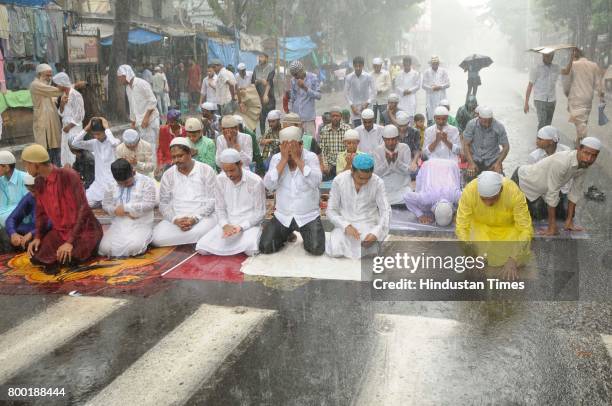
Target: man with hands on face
x=130 y=203
x=187 y=199
x=232 y=138
x=359 y=209
x=240 y=205
x=441 y=139
x=295 y=175
x=393 y=161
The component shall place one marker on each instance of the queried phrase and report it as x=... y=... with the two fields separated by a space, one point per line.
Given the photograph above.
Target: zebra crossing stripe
x=59 y=323
x=177 y=366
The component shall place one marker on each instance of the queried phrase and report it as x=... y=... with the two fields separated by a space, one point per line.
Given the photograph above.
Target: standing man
x=584 y=80
x=46 y=125
x=358 y=209
x=72 y=112
x=137 y=152
x=243 y=77
x=159 y=84
x=543 y=82
x=295 y=176
x=370 y=133
x=407 y=84
x=186 y=199
x=240 y=205
x=332 y=141
x=208 y=92
x=102 y=146
x=263 y=79
x=435 y=83
x=483 y=137
x=12 y=185
x=359 y=90
x=226 y=88
x=130 y=202
x=393 y=161
x=545 y=179
x=194 y=81
x=233 y=138
x=441 y=139
x=204 y=147
x=382 y=83
x=473 y=79
x=143 y=106
x=60 y=198
x=304 y=91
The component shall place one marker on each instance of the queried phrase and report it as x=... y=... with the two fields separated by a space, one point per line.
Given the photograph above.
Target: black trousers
x=275 y=235
x=539 y=208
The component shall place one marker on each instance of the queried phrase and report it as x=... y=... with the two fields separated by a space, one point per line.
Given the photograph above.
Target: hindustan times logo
x=413 y=263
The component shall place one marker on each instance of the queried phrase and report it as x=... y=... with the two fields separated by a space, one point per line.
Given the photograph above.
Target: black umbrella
x=480 y=61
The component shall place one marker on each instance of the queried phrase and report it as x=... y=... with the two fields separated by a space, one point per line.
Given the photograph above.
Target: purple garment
x=438 y=179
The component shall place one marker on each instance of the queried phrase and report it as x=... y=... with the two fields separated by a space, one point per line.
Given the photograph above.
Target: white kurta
x=396 y=175
x=104 y=154
x=538 y=154
x=141 y=99
x=129 y=235
x=435 y=78
x=74 y=113
x=367 y=210
x=368 y=140
x=246 y=149
x=181 y=196
x=408 y=81
x=242 y=204
x=442 y=151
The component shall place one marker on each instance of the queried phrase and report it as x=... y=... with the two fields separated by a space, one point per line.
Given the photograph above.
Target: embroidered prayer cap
x=229 y=122
x=7 y=158
x=229 y=156
x=363 y=162
x=390 y=131
x=290 y=134
x=591 y=142
x=130 y=137
x=62 y=79
x=351 y=135
x=193 y=124
x=489 y=183
x=367 y=114
x=548 y=133
x=35 y=153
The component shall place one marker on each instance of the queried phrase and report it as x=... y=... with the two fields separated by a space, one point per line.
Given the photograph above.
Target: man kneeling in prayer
x=438 y=189
x=359 y=210
x=494 y=219
x=130 y=202
x=186 y=198
x=240 y=205
x=295 y=175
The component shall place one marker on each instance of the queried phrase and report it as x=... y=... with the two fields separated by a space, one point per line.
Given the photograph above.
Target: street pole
x=237 y=32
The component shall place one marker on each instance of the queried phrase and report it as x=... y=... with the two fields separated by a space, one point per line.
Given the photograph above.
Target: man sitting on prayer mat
x=441 y=139
x=137 y=152
x=393 y=160
x=233 y=138
x=295 y=175
x=493 y=217
x=359 y=210
x=130 y=203
x=186 y=198
x=437 y=192
x=345 y=158
x=60 y=197
x=11 y=185
x=20 y=224
x=240 y=205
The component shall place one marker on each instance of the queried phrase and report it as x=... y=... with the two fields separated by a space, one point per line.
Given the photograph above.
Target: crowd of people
x=210 y=174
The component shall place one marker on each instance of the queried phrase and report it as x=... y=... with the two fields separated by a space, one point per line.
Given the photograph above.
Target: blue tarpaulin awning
x=292 y=48
x=226 y=52
x=27 y=3
x=137 y=36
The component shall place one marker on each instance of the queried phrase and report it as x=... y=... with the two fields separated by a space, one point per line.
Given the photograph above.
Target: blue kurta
x=11 y=192
x=21 y=220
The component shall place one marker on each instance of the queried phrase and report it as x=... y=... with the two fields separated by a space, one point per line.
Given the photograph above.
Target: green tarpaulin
x=20 y=98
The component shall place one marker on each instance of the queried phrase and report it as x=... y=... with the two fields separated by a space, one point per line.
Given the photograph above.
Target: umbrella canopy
x=551 y=48
x=481 y=61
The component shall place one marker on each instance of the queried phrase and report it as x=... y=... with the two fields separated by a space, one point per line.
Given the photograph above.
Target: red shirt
x=194 y=78
x=163 y=144
x=61 y=198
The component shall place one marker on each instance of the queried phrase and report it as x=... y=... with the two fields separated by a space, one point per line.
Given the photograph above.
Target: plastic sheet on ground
x=404 y=220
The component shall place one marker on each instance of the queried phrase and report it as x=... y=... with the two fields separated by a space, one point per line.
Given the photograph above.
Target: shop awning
x=136 y=36
x=226 y=52
x=292 y=48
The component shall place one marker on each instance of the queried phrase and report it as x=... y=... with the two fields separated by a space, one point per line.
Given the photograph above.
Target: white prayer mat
x=405 y=220
x=293 y=262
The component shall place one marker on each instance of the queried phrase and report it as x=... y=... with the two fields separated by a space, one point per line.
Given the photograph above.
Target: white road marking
x=59 y=323
x=172 y=371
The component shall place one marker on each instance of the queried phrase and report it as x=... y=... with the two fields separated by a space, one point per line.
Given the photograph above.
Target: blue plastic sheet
x=226 y=52
x=292 y=48
x=27 y=3
x=137 y=36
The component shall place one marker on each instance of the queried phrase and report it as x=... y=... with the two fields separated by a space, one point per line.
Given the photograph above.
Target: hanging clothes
x=4 y=23
x=16 y=36
x=41 y=33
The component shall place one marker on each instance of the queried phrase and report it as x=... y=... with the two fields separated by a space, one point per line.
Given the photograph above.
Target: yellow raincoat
x=508 y=221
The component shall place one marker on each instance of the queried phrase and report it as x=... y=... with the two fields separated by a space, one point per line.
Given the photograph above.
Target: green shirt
x=452 y=121
x=257 y=158
x=206 y=151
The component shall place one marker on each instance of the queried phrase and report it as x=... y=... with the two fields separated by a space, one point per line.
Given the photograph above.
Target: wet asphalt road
x=327 y=342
